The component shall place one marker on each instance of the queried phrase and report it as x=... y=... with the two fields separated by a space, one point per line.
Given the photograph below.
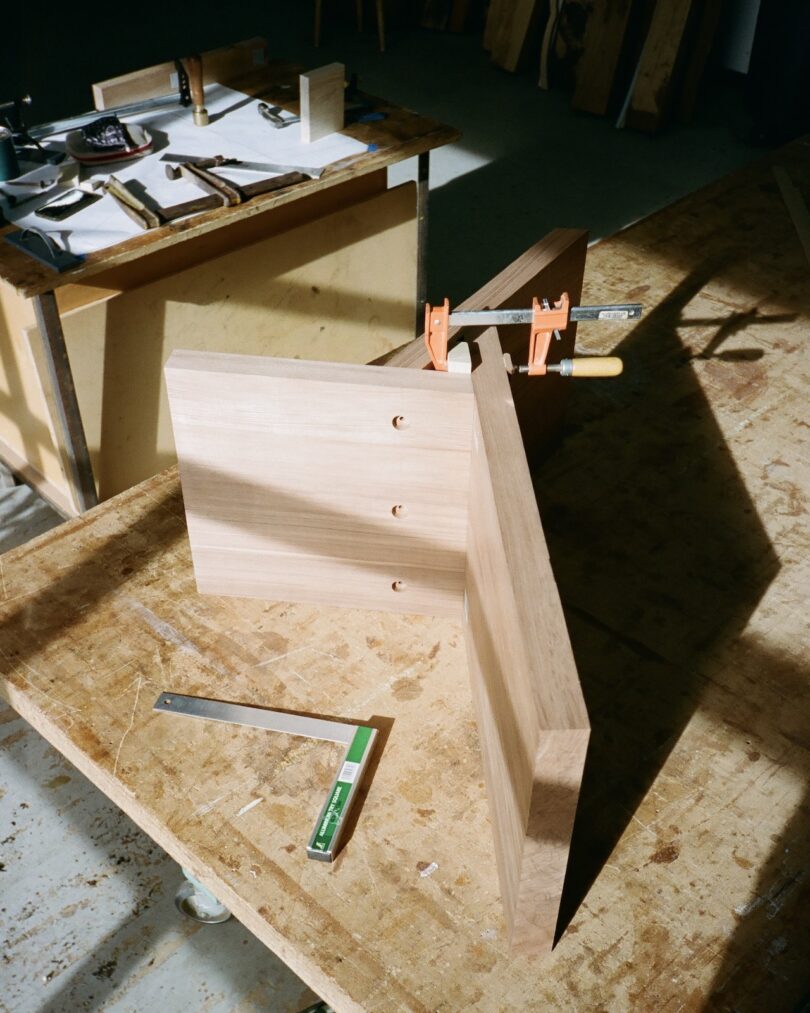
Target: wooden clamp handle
x=599 y=365
x=194 y=69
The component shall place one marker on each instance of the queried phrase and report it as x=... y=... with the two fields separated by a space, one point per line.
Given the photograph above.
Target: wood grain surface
x=324 y=482
x=675 y=515
x=531 y=716
x=321 y=100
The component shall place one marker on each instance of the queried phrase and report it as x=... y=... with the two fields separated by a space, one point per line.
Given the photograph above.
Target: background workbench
x=330 y=268
x=675 y=511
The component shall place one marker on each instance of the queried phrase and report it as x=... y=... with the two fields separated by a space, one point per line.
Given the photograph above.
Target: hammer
x=194 y=69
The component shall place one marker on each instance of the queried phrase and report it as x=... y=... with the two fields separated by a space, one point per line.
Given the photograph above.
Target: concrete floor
x=87 y=915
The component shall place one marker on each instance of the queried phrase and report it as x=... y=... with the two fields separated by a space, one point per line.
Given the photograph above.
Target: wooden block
x=322 y=101
x=531 y=714
x=324 y=482
x=221 y=66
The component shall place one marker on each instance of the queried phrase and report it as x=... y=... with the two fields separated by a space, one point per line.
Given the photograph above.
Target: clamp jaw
x=437 y=330
x=546 y=321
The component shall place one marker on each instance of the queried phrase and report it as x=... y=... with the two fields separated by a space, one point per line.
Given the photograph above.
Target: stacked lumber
x=646 y=57
x=641 y=59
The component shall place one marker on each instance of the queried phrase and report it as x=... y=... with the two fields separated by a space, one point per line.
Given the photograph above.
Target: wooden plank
x=553 y=265
x=531 y=715
x=321 y=96
x=324 y=482
x=220 y=66
x=653 y=91
x=511 y=27
x=605 y=35
x=700 y=47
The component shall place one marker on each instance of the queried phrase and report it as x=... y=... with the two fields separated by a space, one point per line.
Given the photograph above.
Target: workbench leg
x=67 y=406
x=422 y=191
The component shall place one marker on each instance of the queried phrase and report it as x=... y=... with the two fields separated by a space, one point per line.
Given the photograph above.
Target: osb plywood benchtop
x=674 y=510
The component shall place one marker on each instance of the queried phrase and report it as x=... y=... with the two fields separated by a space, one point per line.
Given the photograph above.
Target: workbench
x=330 y=268
x=675 y=511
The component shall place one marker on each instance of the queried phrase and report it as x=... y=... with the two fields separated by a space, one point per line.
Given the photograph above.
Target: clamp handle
x=194 y=69
x=592 y=365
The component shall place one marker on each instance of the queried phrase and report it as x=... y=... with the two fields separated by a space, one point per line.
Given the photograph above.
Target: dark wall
x=54 y=53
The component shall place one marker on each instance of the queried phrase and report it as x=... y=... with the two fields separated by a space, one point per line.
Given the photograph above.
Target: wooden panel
x=28 y=442
x=604 y=40
x=531 y=714
x=321 y=97
x=220 y=66
x=553 y=265
x=324 y=482
x=339 y=286
x=652 y=94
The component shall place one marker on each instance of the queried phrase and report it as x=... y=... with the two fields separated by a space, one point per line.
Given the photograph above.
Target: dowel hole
x=399 y=585
x=399 y=422
x=399 y=510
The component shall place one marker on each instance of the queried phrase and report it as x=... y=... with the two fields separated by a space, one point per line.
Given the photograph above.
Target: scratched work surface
x=676 y=515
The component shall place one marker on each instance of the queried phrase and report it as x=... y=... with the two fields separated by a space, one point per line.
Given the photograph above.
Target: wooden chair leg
x=359 y=8
x=317 y=39
x=381 y=24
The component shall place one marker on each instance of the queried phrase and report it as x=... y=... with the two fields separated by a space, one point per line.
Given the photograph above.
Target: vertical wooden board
x=651 y=99
x=324 y=482
x=510 y=31
x=531 y=714
x=322 y=101
x=28 y=434
x=553 y=265
x=708 y=20
x=604 y=40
